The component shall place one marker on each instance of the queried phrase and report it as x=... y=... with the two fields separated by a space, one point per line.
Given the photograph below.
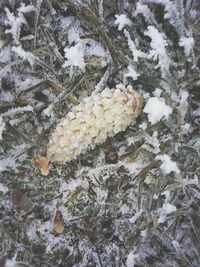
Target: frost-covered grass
x=133 y=200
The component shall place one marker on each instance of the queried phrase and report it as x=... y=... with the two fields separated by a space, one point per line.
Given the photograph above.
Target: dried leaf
x=73 y=196
x=20 y=202
x=58 y=222
x=42 y=164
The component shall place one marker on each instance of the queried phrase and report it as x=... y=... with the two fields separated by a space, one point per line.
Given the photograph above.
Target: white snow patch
x=143 y=126
x=132 y=46
x=5 y=53
x=183 y=105
x=157 y=92
x=152 y=143
x=131 y=73
x=157 y=109
x=136 y=216
x=75 y=56
x=25 y=55
x=143 y=233
x=4 y=189
x=7 y=164
x=196 y=113
x=121 y=21
x=186 y=128
x=12 y=262
x=16 y=22
x=6 y=96
x=13 y=111
x=166 y=209
x=187 y=43
x=131 y=259
x=158 y=51
x=176 y=245
x=94 y=48
x=167 y=165
x=2 y=127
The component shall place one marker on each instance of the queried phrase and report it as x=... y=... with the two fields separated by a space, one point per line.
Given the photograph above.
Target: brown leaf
x=58 y=222
x=20 y=202
x=74 y=195
x=42 y=164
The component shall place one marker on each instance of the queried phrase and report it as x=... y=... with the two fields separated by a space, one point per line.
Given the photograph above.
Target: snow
x=5 y=53
x=16 y=22
x=13 y=111
x=136 y=216
x=132 y=46
x=196 y=113
x=167 y=165
x=131 y=259
x=157 y=92
x=3 y=189
x=74 y=56
x=131 y=73
x=158 y=51
x=12 y=262
x=2 y=127
x=24 y=54
x=152 y=143
x=156 y=109
x=121 y=21
x=143 y=126
x=187 y=43
x=6 y=96
x=166 y=209
x=94 y=48
x=142 y=9
x=183 y=105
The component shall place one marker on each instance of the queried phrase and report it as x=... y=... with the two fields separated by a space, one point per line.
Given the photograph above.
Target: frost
x=157 y=92
x=156 y=109
x=166 y=209
x=122 y=21
x=152 y=143
x=6 y=96
x=74 y=56
x=186 y=128
x=94 y=48
x=143 y=126
x=135 y=52
x=143 y=233
x=5 y=53
x=132 y=259
x=183 y=105
x=2 y=127
x=188 y=44
x=24 y=54
x=4 y=189
x=16 y=22
x=136 y=216
x=131 y=73
x=142 y=9
x=196 y=113
x=167 y=165
x=158 y=45
x=176 y=245
x=12 y=262
x=7 y=164
x=13 y=111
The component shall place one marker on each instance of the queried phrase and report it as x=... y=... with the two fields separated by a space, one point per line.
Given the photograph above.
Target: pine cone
x=99 y=116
